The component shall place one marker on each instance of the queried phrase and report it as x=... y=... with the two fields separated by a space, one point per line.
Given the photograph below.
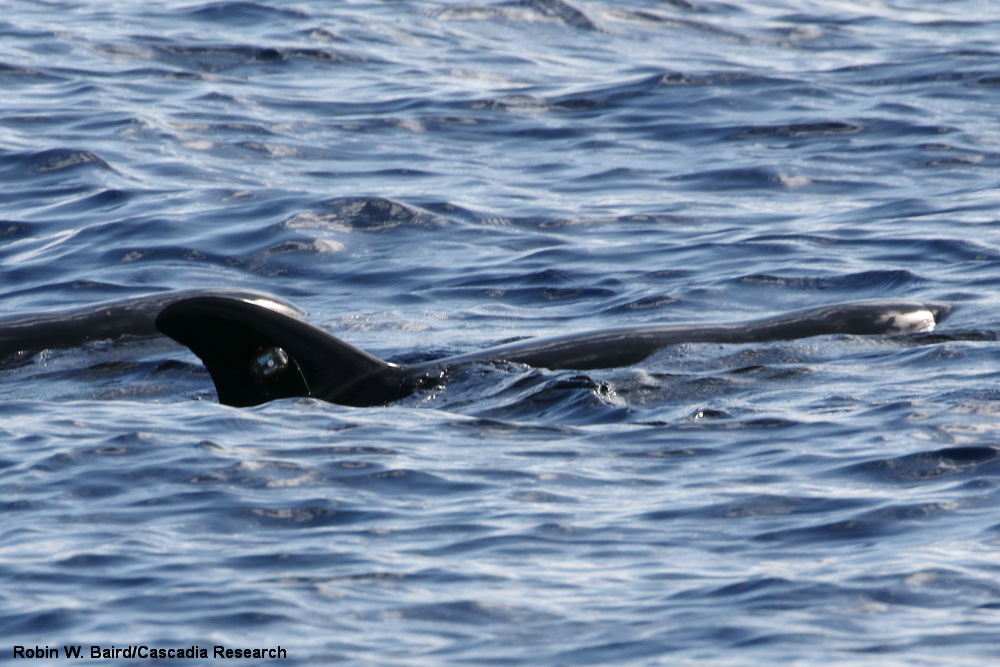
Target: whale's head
x=913 y=318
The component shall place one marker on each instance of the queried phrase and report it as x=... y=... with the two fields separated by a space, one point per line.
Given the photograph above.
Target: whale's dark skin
x=256 y=354
x=134 y=316
x=257 y=348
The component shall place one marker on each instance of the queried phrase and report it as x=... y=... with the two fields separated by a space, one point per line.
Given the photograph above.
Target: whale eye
x=269 y=363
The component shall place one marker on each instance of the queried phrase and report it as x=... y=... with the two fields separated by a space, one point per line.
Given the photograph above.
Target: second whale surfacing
x=257 y=353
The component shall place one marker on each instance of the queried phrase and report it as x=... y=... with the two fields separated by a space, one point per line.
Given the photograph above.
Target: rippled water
x=427 y=178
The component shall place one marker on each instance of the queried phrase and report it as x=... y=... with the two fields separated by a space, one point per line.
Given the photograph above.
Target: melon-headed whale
x=258 y=350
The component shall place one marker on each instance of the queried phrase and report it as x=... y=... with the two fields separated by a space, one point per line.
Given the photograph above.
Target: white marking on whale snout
x=914 y=321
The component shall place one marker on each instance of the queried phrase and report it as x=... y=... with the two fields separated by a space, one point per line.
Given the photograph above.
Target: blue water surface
x=428 y=177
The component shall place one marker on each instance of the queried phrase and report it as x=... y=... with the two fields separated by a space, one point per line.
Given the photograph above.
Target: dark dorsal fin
x=256 y=354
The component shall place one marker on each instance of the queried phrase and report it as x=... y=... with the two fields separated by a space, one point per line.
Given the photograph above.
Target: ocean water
x=428 y=177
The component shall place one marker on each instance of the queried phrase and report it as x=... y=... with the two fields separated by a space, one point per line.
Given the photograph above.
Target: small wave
x=307 y=514
x=947 y=462
x=105 y=200
x=761 y=505
x=20 y=73
x=315 y=246
x=738 y=178
x=555 y=11
x=239 y=14
x=559 y=397
x=798 y=130
x=215 y=59
x=402 y=481
x=54 y=160
x=865 y=282
x=646 y=303
x=850 y=531
x=472 y=612
x=368 y=214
